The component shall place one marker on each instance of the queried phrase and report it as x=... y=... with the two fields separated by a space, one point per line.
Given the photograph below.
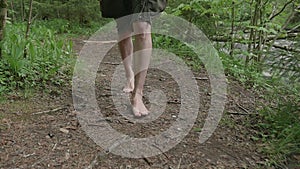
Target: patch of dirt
x=44 y=132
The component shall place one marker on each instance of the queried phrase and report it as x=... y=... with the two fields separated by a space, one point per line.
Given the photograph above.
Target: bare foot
x=138 y=107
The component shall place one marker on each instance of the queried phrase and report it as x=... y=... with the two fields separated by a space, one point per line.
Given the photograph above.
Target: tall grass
x=280 y=126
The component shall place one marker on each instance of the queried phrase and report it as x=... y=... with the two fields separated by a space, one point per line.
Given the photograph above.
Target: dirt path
x=43 y=132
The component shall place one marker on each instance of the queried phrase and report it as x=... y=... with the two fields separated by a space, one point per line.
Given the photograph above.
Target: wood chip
x=71 y=128
x=64 y=130
x=67 y=156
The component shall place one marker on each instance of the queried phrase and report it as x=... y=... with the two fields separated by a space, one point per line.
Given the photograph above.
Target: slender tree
x=28 y=25
x=3 y=15
x=232 y=28
x=29 y=19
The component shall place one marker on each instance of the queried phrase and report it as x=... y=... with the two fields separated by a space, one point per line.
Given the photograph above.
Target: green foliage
x=235 y=67
x=178 y=48
x=199 y=13
x=82 y=12
x=46 y=61
x=280 y=126
x=70 y=28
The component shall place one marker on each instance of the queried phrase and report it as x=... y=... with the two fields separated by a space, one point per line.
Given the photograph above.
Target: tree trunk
x=13 y=9
x=232 y=29
x=28 y=26
x=29 y=20
x=3 y=15
x=22 y=10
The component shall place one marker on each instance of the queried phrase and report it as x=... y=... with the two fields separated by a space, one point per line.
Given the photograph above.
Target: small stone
x=64 y=130
x=67 y=155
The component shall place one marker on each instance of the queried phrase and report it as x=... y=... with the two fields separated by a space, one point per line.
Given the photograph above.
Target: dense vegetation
x=258 y=42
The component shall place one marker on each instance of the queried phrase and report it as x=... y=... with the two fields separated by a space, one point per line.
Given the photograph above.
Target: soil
x=44 y=132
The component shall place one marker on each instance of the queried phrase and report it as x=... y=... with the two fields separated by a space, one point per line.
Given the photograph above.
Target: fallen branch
x=241 y=114
x=111 y=63
x=102 y=42
x=174 y=102
x=200 y=78
x=286 y=48
x=244 y=109
x=28 y=155
x=293 y=29
x=39 y=161
x=161 y=151
x=269 y=38
x=179 y=164
x=49 y=111
x=147 y=161
x=105 y=95
x=242 y=40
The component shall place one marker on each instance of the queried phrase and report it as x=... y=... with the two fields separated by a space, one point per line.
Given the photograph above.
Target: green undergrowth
x=65 y=27
x=42 y=59
x=278 y=120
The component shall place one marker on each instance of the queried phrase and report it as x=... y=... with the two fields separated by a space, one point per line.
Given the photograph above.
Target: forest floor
x=44 y=132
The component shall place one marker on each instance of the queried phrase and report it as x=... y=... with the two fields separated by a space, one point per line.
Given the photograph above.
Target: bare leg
x=143 y=46
x=126 y=50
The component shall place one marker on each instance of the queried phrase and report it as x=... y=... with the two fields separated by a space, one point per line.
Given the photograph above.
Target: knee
x=142 y=36
x=124 y=36
x=142 y=29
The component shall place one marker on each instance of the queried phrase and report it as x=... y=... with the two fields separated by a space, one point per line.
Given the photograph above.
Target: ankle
x=130 y=76
x=137 y=92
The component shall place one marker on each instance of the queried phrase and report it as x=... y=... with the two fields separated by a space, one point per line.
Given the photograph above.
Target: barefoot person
x=138 y=23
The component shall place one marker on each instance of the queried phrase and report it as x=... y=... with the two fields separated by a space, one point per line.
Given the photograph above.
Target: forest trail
x=44 y=132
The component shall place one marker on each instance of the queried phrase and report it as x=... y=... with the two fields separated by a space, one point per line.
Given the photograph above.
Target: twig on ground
x=39 y=161
x=161 y=151
x=54 y=146
x=179 y=164
x=244 y=109
x=111 y=63
x=237 y=113
x=247 y=112
x=49 y=111
x=103 y=42
x=105 y=95
x=174 y=102
x=200 y=78
x=147 y=161
x=28 y=155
